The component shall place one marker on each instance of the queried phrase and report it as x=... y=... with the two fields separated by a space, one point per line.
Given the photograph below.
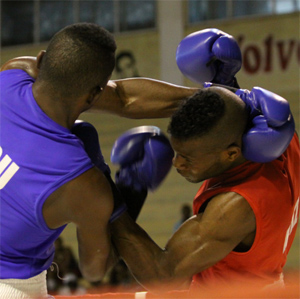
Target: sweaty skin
x=227 y=223
x=199 y=243
x=131 y=98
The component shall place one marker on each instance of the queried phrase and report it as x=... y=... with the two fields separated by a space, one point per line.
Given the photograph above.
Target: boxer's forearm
x=131 y=98
x=145 y=259
x=142 y=98
x=142 y=262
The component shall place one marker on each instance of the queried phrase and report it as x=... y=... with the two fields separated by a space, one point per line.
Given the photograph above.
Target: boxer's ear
x=40 y=58
x=94 y=93
x=233 y=152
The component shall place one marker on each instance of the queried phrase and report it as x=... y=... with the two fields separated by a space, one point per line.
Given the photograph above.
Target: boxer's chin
x=187 y=177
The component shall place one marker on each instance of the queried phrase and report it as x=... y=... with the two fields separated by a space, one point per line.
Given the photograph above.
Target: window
x=286 y=6
x=253 y=7
x=137 y=15
x=16 y=22
x=202 y=10
x=207 y=10
x=54 y=15
x=99 y=12
x=38 y=20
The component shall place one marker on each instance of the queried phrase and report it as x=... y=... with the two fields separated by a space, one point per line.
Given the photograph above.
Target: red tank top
x=272 y=190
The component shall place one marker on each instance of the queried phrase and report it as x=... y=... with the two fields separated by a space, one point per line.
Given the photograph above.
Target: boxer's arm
x=86 y=201
x=131 y=98
x=199 y=243
x=25 y=63
x=141 y=98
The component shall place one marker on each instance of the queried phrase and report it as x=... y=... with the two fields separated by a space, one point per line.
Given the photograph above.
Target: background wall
x=271 y=53
x=270 y=47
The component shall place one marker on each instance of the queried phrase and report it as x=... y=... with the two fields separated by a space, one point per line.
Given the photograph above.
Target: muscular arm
x=131 y=98
x=199 y=243
x=25 y=63
x=142 y=98
x=87 y=201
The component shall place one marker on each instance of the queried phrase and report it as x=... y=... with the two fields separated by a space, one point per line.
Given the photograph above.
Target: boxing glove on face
x=260 y=101
x=262 y=143
x=145 y=158
x=271 y=125
x=209 y=55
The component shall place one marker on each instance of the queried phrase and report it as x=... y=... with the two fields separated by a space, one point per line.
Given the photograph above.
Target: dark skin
x=227 y=223
x=87 y=200
x=131 y=98
x=66 y=204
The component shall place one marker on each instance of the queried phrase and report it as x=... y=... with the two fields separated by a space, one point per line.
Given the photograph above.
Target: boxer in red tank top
x=246 y=211
x=272 y=191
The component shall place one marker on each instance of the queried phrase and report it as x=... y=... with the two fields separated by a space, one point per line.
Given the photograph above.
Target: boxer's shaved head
x=78 y=58
x=213 y=112
x=206 y=134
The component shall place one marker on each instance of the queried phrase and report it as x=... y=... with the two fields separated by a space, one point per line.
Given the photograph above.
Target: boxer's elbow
x=92 y=273
x=95 y=269
x=162 y=275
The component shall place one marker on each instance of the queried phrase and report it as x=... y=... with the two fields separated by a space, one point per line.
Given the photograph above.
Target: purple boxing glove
x=209 y=55
x=145 y=158
x=89 y=136
x=271 y=125
x=260 y=101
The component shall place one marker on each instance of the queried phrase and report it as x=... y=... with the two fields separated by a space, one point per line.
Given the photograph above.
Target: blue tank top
x=37 y=156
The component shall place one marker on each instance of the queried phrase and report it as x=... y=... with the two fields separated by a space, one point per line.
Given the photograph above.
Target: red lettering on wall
x=262 y=57
x=285 y=58
x=252 y=59
x=268 y=53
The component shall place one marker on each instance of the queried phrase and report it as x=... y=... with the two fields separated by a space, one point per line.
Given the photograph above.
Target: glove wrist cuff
x=117 y=212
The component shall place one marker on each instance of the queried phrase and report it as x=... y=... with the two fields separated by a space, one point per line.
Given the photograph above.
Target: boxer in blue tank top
x=47 y=178
x=38 y=157
x=70 y=77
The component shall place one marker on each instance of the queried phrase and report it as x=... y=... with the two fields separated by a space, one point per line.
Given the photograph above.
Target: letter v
x=285 y=59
